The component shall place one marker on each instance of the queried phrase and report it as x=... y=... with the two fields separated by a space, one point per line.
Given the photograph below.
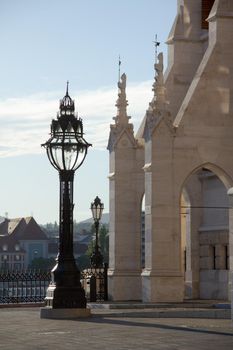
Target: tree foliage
x=103 y=243
x=42 y=264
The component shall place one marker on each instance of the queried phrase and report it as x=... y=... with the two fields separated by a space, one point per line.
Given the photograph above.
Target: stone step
x=210 y=309
x=140 y=305
x=163 y=313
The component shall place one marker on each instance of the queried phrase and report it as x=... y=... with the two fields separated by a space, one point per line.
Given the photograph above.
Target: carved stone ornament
x=115 y=132
x=121 y=119
x=158 y=106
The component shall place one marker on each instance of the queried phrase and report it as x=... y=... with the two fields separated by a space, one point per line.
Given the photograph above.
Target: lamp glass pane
x=57 y=155
x=70 y=155
x=81 y=156
x=66 y=148
x=97 y=211
x=101 y=211
x=93 y=210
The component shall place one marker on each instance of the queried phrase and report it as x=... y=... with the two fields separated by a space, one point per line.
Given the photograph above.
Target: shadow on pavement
x=154 y=325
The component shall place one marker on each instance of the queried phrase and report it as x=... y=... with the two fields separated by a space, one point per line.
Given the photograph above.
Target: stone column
x=162 y=278
x=126 y=190
x=125 y=225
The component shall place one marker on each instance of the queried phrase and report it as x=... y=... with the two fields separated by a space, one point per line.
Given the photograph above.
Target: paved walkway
x=22 y=329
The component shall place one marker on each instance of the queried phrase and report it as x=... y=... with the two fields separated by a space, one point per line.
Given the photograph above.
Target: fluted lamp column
x=66 y=150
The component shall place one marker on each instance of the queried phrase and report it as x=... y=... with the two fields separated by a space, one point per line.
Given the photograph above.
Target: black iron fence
x=30 y=286
x=23 y=286
x=95 y=283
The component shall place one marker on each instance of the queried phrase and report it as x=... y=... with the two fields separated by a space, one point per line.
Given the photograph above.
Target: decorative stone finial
x=156 y=43
x=158 y=106
x=122 y=102
x=122 y=119
x=158 y=86
x=159 y=78
x=119 y=68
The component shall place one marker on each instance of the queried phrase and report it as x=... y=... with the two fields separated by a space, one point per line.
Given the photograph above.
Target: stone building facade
x=181 y=160
x=21 y=241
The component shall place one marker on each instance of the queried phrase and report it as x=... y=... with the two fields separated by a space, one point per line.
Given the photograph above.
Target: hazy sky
x=44 y=43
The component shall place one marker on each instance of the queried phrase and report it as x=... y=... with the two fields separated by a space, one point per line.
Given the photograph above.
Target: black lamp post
x=97 y=209
x=66 y=150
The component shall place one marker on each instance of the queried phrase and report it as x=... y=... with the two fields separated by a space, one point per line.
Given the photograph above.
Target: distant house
x=21 y=241
x=85 y=239
x=12 y=255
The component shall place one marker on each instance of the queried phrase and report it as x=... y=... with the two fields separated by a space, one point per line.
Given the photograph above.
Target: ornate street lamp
x=66 y=150
x=97 y=209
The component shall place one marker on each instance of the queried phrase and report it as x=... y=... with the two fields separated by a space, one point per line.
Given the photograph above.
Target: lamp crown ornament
x=66 y=148
x=67 y=104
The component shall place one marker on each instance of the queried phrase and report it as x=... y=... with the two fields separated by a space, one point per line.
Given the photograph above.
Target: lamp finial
x=67 y=88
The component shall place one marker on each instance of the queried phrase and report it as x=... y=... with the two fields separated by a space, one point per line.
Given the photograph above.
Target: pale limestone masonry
x=181 y=159
x=230 y=193
x=126 y=160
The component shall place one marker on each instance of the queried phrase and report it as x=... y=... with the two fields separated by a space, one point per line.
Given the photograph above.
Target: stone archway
x=205 y=233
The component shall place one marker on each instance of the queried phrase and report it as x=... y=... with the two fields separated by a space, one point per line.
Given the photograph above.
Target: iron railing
x=17 y=287
x=23 y=286
x=95 y=283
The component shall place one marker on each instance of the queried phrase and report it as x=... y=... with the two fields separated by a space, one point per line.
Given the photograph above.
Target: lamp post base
x=65 y=290
x=65 y=314
x=65 y=297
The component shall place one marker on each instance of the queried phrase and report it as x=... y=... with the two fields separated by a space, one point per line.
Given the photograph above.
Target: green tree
x=90 y=249
x=83 y=262
x=104 y=242
x=42 y=264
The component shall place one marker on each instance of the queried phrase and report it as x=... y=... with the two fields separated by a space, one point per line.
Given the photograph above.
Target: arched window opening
x=205 y=236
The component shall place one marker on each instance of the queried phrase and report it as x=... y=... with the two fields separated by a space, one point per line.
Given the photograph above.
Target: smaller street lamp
x=5 y=258
x=97 y=208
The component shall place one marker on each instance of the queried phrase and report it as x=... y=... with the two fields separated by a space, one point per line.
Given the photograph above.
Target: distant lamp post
x=5 y=258
x=66 y=150
x=97 y=208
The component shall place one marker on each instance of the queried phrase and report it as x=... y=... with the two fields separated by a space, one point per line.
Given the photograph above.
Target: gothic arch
x=204 y=221
x=217 y=170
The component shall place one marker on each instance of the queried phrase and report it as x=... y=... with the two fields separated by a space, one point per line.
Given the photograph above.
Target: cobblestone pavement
x=22 y=329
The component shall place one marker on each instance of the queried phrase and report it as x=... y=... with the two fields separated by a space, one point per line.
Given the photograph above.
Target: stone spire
x=158 y=106
x=158 y=86
x=122 y=103
x=122 y=119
